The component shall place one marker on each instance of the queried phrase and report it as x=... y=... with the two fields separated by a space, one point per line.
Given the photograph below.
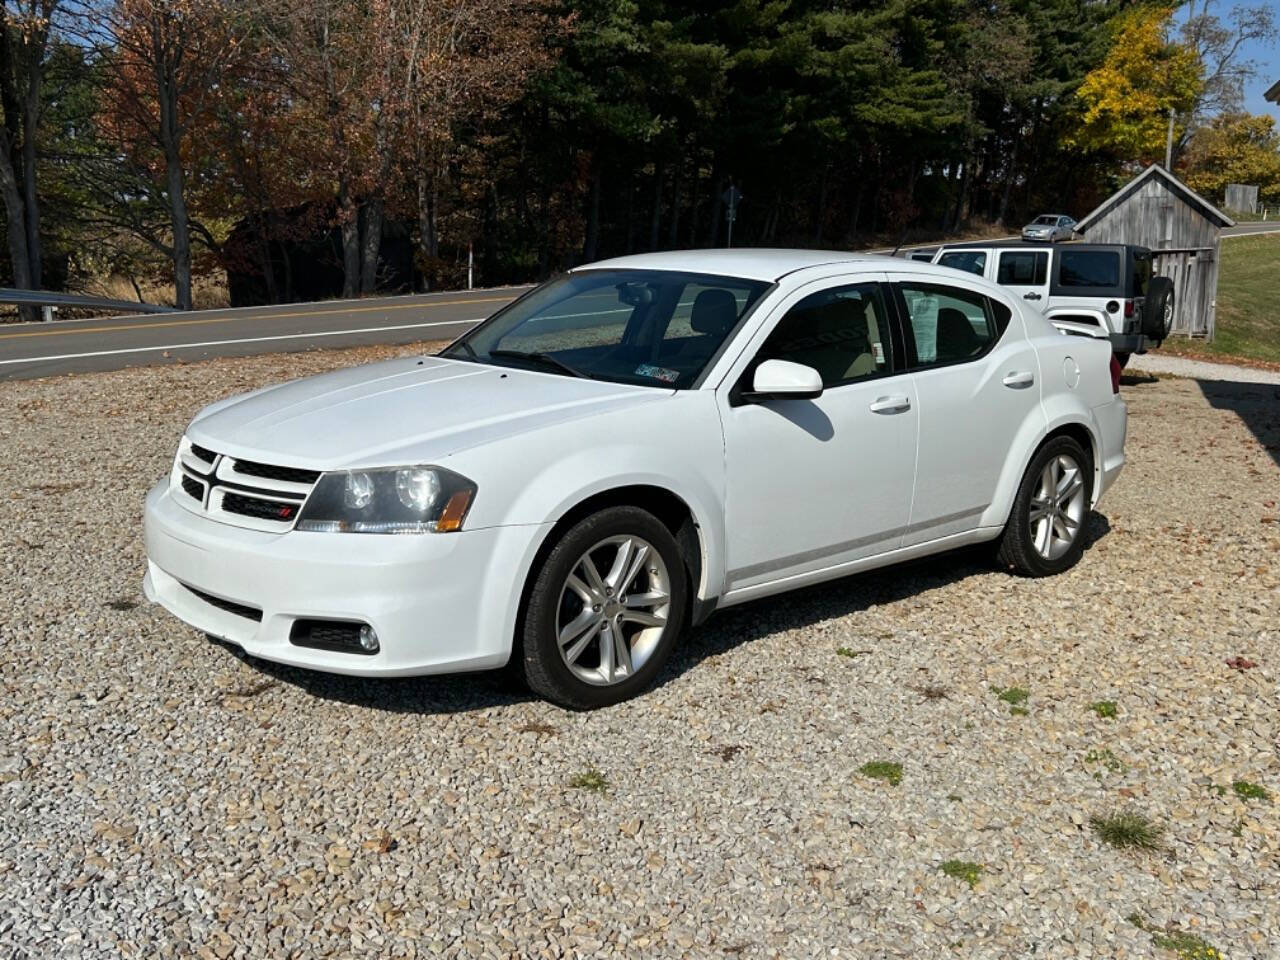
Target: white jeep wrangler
x=1085 y=289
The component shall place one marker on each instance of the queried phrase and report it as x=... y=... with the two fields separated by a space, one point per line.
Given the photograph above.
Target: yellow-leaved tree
x=1124 y=103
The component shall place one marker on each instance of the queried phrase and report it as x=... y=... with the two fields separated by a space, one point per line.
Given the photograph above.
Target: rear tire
x=604 y=611
x=1044 y=535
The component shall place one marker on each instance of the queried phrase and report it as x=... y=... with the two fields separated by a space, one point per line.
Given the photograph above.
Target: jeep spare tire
x=1157 y=311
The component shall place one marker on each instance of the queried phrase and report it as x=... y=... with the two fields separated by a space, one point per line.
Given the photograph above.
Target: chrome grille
x=245 y=493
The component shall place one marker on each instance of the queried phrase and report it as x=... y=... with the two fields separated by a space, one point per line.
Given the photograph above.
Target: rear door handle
x=1031 y=296
x=1020 y=379
x=891 y=404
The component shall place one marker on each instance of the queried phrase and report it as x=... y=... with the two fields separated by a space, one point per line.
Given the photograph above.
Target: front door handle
x=1020 y=379
x=1031 y=296
x=891 y=404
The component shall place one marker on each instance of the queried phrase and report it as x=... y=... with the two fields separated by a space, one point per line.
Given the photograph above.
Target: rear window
x=1090 y=268
x=970 y=261
x=1025 y=268
x=1142 y=271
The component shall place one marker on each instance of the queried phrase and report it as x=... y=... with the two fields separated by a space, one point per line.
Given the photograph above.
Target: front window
x=657 y=328
x=842 y=333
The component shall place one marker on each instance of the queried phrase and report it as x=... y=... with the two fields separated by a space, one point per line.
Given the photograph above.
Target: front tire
x=604 y=611
x=1045 y=532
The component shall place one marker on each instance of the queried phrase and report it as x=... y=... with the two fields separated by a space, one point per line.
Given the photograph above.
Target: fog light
x=368 y=639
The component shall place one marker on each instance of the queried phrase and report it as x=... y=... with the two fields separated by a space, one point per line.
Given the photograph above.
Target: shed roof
x=1189 y=196
x=1273 y=93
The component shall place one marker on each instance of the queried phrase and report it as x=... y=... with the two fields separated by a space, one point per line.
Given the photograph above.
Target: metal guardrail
x=46 y=298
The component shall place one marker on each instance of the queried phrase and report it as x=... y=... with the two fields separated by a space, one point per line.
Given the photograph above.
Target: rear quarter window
x=1090 y=269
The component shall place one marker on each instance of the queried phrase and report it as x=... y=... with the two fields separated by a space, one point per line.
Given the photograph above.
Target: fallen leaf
x=1240 y=663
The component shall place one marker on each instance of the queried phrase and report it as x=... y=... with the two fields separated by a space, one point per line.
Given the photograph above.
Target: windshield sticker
x=657 y=373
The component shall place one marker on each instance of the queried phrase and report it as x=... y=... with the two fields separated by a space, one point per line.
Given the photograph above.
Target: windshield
x=1046 y=221
x=657 y=328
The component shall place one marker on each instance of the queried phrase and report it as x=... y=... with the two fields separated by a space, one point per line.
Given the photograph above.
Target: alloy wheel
x=613 y=610
x=1057 y=507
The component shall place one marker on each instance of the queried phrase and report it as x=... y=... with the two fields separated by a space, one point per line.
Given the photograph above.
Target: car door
x=977 y=381
x=1026 y=274
x=814 y=483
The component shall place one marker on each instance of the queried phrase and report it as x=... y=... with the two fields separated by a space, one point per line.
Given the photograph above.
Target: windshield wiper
x=546 y=359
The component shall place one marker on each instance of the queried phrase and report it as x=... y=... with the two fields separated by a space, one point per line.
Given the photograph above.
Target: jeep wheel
x=1158 y=310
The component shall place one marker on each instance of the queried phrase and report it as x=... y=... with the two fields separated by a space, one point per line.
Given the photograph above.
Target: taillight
x=1128 y=308
x=1115 y=374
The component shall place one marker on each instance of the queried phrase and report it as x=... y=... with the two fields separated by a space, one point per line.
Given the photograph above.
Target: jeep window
x=1142 y=271
x=970 y=261
x=1090 y=268
x=1023 y=267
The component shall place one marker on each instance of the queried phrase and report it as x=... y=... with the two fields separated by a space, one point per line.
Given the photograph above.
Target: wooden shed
x=1155 y=209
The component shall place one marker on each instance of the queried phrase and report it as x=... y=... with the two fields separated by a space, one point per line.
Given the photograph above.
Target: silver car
x=1049 y=227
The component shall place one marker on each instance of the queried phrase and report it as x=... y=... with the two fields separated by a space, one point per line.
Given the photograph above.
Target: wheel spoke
x=1043 y=533
x=643 y=617
x=621 y=564
x=622 y=652
x=608 y=649
x=654 y=598
x=573 y=653
x=573 y=629
x=592 y=575
x=1048 y=481
x=1068 y=482
x=1072 y=488
x=1039 y=510
x=638 y=560
x=574 y=583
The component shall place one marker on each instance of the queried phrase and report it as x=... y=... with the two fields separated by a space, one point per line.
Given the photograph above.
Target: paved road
x=77 y=346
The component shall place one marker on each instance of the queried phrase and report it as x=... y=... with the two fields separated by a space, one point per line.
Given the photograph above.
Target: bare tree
x=24 y=42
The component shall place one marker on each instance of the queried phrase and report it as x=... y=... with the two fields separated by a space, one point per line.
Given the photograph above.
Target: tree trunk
x=695 y=196
x=591 y=242
x=170 y=135
x=371 y=246
x=717 y=208
x=673 y=233
x=30 y=129
x=349 y=222
x=1008 y=179
x=17 y=233
x=820 y=214
x=655 y=223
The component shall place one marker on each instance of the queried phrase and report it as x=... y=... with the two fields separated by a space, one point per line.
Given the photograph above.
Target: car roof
x=749 y=263
x=1037 y=245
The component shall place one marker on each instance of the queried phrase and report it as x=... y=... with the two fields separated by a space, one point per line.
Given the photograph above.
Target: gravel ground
x=160 y=796
x=1201 y=369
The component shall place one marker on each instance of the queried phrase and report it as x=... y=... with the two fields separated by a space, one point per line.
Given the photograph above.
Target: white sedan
x=578 y=480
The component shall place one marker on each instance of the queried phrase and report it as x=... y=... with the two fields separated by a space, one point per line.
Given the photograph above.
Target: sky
x=1266 y=57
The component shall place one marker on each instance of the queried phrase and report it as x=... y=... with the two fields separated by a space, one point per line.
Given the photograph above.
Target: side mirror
x=784 y=380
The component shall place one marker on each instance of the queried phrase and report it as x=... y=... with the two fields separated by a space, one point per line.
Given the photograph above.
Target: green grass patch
x=1011 y=695
x=1106 y=759
x=883 y=770
x=1127 y=831
x=1106 y=709
x=849 y=652
x=970 y=873
x=1250 y=791
x=1248 y=320
x=590 y=779
x=1186 y=946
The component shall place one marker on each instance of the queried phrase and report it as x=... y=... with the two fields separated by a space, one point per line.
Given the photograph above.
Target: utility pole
x=1168 y=145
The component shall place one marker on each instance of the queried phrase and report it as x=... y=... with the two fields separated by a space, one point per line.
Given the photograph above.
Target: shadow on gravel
x=459 y=693
x=837 y=598
x=1134 y=379
x=452 y=693
x=1256 y=404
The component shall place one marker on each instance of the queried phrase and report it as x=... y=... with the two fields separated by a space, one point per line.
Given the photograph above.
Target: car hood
x=414 y=409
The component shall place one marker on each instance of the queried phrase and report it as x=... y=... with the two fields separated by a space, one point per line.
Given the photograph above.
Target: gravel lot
x=160 y=796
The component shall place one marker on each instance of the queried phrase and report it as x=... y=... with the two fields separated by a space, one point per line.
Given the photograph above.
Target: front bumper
x=440 y=603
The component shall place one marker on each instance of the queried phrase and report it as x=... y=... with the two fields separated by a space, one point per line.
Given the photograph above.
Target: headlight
x=391 y=500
